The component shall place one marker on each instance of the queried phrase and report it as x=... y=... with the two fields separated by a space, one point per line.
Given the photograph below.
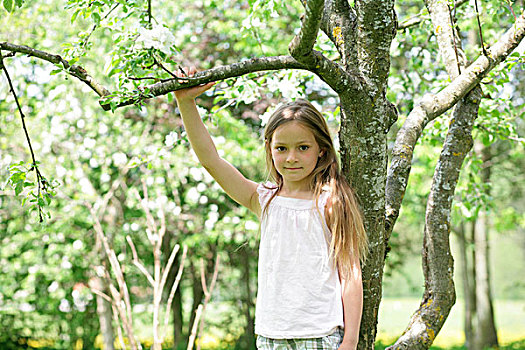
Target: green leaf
x=96 y=17
x=73 y=61
x=74 y=15
x=19 y=188
x=9 y=5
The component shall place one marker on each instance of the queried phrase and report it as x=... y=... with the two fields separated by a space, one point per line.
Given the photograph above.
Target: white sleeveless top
x=299 y=292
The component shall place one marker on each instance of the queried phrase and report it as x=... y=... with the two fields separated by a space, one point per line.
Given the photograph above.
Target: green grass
x=394 y=315
x=517 y=345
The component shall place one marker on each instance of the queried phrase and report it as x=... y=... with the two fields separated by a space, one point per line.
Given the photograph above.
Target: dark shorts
x=329 y=342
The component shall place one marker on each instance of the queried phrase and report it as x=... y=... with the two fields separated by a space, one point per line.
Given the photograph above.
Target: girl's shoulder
x=265 y=190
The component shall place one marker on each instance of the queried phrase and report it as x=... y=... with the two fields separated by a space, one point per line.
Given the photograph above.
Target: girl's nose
x=291 y=157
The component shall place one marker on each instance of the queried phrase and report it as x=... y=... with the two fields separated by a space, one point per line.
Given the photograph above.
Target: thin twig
x=149 y=13
x=39 y=178
x=74 y=70
x=480 y=32
x=162 y=230
x=175 y=286
x=137 y=262
x=203 y=278
x=193 y=335
x=102 y=294
x=207 y=292
x=512 y=138
x=511 y=9
x=115 y=265
x=150 y=78
x=168 y=266
x=102 y=205
x=421 y=16
x=85 y=41
x=119 y=327
x=158 y=63
x=454 y=35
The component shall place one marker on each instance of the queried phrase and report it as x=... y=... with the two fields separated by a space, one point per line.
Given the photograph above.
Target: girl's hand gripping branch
x=240 y=189
x=193 y=92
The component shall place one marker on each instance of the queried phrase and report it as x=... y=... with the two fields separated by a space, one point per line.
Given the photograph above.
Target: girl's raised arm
x=239 y=188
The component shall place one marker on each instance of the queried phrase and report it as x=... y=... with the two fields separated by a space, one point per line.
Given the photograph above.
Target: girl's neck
x=298 y=192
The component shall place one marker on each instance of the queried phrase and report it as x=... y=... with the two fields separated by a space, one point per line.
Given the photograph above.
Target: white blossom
x=159 y=37
x=171 y=138
x=52 y=287
x=119 y=158
x=64 y=306
x=78 y=244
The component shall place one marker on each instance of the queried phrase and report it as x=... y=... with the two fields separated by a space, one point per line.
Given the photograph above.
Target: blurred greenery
x=46 y=269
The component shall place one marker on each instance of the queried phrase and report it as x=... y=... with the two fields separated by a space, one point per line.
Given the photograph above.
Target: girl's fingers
x=205 y=87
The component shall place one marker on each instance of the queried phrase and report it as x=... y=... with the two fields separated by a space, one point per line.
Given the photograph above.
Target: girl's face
x=295 y=153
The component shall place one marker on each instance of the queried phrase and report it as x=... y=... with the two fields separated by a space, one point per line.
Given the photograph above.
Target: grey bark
x=339 y=24
x=438 y=264
x=74 y=70
x=486 y=335
x=433 y=105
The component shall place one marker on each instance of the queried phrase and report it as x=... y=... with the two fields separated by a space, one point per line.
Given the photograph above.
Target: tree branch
x=417 y=19
x=74 y=70
x=215 y=74
x=447 y=37
x=432 y=106
x=301 y=47
x=138 y=263
x=326 y=69
x=339 y=24
x=41 y=182
x=175 y=286
x=438 y=264
x=124 y=312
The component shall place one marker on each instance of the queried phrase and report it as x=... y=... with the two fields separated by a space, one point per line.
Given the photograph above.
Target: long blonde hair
x=349 y=242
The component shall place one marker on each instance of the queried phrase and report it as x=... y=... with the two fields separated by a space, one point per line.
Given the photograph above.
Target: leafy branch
x=18 y=172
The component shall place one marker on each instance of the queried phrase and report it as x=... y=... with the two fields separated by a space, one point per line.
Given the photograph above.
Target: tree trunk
x=104 y=310
x=176 y=306
x=468 y=295
x=178 y=320
x=198 y=291
x=105 y=315
x=486 y=335
x=198 y=294
x=366 y=159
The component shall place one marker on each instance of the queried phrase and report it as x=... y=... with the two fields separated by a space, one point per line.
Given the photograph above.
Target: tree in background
x=357 y=71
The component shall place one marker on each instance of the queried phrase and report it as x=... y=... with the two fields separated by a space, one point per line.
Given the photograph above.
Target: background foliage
x=46 y=268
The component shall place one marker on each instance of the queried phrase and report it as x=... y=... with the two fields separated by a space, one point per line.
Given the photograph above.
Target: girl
x=312 y=237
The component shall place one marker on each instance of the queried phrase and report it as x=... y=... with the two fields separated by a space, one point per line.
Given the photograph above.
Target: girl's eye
x=280 y=148
x=303 y=148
